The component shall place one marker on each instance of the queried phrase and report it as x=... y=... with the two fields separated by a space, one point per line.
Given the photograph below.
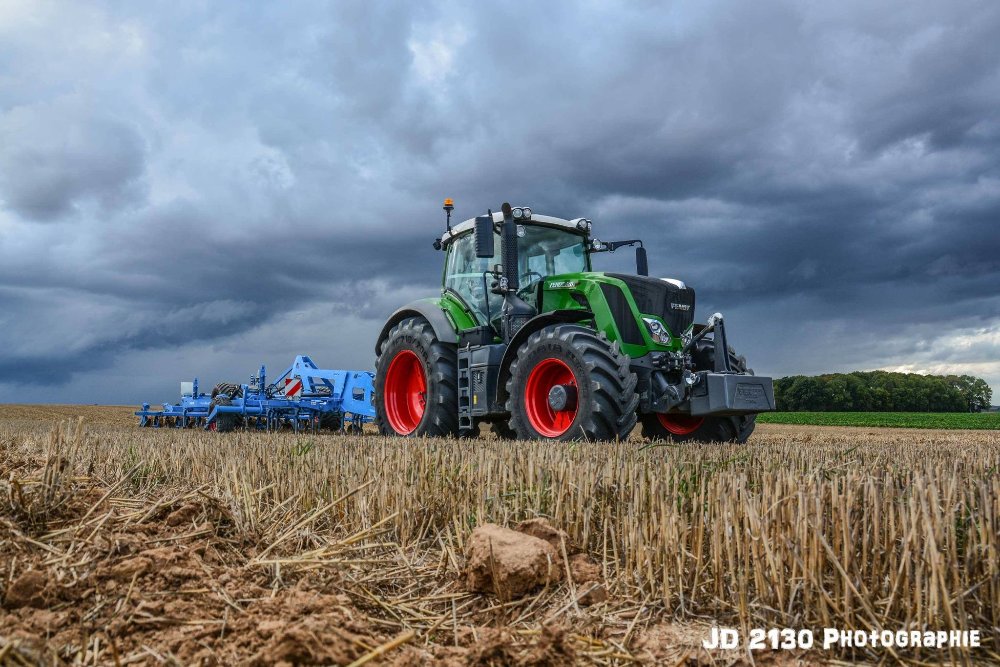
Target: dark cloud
x=57 y=156
x=222 y=185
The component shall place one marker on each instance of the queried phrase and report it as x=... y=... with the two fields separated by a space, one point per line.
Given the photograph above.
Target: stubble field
x=128 y=546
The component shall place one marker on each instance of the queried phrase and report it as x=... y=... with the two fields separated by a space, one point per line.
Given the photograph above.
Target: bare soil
x=167 y=581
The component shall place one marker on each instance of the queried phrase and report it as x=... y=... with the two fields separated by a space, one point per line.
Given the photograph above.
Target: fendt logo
x=680 y=306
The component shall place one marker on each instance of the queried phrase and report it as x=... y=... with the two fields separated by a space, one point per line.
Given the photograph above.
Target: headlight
x=584 y=225
x=518 y=213
x=657 y=331
x=526 y=212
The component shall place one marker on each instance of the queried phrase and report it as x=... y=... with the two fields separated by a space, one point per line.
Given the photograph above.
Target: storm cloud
x=192 y=188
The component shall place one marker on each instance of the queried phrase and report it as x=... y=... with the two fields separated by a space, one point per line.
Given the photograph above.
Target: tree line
x=882 y=391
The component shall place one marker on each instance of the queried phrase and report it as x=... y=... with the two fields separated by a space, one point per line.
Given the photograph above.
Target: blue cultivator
x=303 y=397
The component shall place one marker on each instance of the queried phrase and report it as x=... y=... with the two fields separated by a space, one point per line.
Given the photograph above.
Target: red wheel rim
x=546 y=375
x=405 y=392
x=679 y=424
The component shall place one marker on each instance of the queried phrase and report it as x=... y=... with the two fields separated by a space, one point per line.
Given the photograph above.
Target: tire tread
x=612 y=414
x=443 y=357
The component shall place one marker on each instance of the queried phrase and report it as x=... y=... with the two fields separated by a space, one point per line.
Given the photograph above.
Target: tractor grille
x=657 y=297
x=623 y=316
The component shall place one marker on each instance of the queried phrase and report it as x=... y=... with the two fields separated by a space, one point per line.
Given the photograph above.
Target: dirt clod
x=588 y=579
x=125 y=570
x=553 y=649
x=182 y=515
x=544 y=530
x=28 y=590
x=509 y=563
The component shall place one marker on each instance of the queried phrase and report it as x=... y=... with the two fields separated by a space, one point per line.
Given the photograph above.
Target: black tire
x=501 y=429
x=225 y=421
x=329 y=421
x=414 y=343
x=606 y=400
x=230 y=389
x=736 y=428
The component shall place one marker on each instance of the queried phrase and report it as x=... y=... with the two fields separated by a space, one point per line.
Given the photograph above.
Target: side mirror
x=641 y=264
x=484 y=236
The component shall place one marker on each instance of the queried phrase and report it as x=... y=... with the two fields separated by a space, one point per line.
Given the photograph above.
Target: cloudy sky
x=198 y=187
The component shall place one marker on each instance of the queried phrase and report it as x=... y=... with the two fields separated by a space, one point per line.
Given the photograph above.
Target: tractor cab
x=547 y=247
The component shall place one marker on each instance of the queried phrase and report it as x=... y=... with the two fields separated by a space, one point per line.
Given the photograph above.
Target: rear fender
x=428 y=309
x=531 y=326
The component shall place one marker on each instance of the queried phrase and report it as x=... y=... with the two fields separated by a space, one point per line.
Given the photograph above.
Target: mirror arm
x=611 y=246
x=641 y=263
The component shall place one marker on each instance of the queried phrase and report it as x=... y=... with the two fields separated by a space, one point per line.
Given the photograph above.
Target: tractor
x=537 y=345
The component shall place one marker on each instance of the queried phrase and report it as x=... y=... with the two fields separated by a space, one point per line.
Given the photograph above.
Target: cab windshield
x=542 y=251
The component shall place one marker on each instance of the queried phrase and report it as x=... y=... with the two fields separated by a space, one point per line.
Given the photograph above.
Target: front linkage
x=723 y=390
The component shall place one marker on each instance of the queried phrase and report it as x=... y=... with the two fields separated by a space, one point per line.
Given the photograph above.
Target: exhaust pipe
x=515 y=311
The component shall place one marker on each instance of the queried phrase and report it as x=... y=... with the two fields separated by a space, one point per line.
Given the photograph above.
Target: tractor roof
x=466 y=225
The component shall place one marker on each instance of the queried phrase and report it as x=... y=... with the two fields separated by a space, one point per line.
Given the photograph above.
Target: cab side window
x=464 y=274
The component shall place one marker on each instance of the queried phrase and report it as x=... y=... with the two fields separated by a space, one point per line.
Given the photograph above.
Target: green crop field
x=949 y=420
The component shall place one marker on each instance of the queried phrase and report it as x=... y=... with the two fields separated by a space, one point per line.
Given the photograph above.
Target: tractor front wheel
x=416 y=382
x=569 y=383
x=684 y=428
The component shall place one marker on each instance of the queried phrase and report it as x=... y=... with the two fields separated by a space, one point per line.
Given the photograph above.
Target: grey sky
x=201 y=187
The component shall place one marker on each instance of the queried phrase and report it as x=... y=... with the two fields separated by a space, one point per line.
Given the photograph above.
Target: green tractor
x=539 y=346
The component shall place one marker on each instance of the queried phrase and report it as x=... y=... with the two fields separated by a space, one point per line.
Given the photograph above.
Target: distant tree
x=838 y=395
x=882 y=391
x=975 y=393
x=802 y=393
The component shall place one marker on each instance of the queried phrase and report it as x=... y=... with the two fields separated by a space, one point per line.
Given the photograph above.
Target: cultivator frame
x=303 y=397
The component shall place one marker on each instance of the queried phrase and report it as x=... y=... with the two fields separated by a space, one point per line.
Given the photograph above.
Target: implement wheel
x=230 y=389
x=329 y=421
x=224 y=421
x=416 y=382
x=569 y=383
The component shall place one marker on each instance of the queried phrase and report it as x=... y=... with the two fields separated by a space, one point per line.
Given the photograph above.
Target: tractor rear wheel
x=569 y=383
x=682 y=427
x=501 y=429
x=416 y=382
x=224 y=421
